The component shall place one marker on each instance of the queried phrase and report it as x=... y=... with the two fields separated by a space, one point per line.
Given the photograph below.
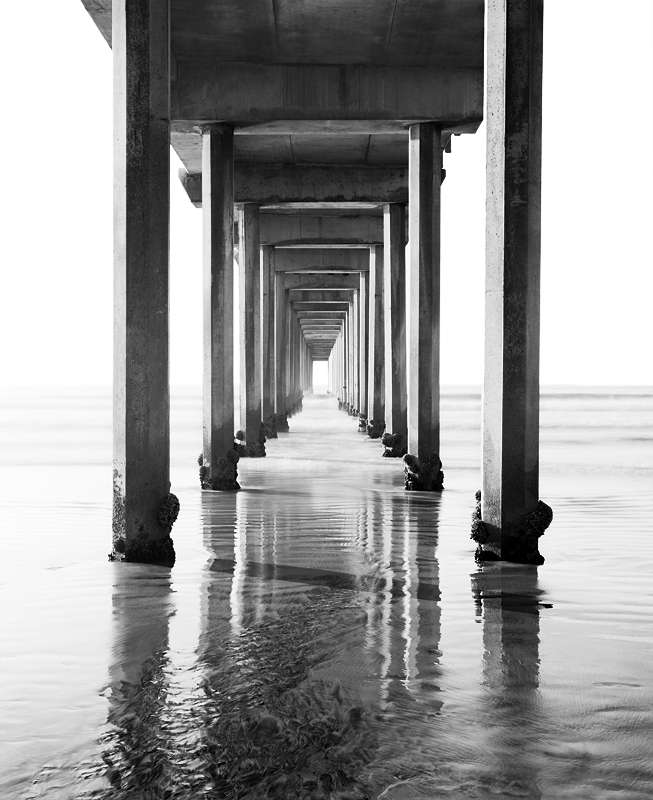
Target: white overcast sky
x=597 y=254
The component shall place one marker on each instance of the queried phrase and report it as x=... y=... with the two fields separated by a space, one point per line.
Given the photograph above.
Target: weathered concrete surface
x=267 y=341
x=309 y=281
x=394 y=307
x=423 y=33
x=320 y=295
x=267 y=184
x=248 y=93
x=280 y=229
x=280 y=352
x=141 y=409
x=314 y=259
x=376 y=361
x=218 y=225
x=423 y=296
x=249 y=307
x=512 y=334
x=318 y=306
x=363 y=354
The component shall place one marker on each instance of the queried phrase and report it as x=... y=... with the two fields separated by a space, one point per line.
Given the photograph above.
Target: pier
x=313 y=141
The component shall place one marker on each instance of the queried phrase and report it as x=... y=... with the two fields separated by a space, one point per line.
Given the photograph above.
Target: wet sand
x=324 y=633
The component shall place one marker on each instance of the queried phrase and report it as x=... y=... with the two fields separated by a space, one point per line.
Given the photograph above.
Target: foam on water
x=323 y=632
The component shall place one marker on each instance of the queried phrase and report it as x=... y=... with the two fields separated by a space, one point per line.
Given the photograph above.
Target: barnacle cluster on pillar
x=424 y=477
x=395 y=445
x=251 y=449
x=519 y=544
x=221 y=476
x=374 y=428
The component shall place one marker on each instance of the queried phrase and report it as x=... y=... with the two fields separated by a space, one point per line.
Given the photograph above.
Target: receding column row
x=384 y=360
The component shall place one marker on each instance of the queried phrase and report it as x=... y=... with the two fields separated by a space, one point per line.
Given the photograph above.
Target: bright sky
x=597 y=253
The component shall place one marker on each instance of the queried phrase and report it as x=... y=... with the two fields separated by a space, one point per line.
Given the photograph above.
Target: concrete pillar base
x=281 y=423
x=247 y=449
x=353 y=412
x=142 y=548
x=395 y=445
x=223 y=476
x=270 y=427
x=425 y=477
x=297 y=408
x=375 y=428
x=362 y=423
x=518 y=545
x=144 y=551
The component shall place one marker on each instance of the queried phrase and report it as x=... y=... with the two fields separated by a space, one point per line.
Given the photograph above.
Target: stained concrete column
x=376 y=357
x=143 y=509
x=280 y=352
x=352 y=356
x=249 y=308
x=363 y=319
x=220 y=458
x=512 y=291
x=422 y=464
x=267 y=342
x=395 y=438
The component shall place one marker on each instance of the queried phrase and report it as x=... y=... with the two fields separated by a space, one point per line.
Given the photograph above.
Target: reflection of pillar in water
x=237 y=596
x=142 y=605
x=508 y=596
x=385 y=552
x=369 y=543
x=218 y=526
x=422 y=517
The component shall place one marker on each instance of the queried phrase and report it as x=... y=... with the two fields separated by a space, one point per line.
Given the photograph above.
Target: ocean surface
x=325 y=634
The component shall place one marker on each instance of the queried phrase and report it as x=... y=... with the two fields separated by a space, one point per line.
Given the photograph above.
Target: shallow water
x=323 y=632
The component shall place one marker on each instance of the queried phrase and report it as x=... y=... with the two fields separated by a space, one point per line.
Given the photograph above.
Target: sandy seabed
x=325 y=634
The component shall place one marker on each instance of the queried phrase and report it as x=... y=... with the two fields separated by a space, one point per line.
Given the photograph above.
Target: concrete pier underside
x=327 y=127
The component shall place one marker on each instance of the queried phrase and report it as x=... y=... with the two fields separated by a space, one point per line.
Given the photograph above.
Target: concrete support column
x=353 y=355
x=512 y=516
x=218 y=470
x=281 y=353
x=267 y=342
x=395 y=438
x=363 y=319
x=376 y=358
x=143 y=508
x=249 y=308
x=422 y=464
x=346 y=361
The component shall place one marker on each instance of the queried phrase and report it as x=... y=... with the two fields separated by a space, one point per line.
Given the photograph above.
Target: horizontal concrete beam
x=321 y=325
x=318 y=259
x=326 y=280
x=320 y=314
x=321 y=295
x=267 y=184
x=321 y=306
x=245 y=94
x=283 y=229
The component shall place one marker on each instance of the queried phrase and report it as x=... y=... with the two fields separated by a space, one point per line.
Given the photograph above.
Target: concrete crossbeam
x=321 y=259
x=311 y=280
x=326 y=306
x=283 y=229
x=247 y=94
x=321 y=295
x=268 y=184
